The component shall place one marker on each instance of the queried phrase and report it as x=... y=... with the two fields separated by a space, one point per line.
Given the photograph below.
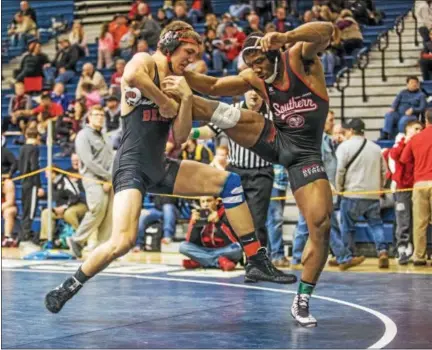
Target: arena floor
x=149 y=301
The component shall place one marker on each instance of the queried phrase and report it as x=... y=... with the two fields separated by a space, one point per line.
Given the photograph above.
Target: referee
x=256 y=173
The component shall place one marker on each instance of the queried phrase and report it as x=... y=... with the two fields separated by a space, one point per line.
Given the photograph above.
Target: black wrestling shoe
x=74 y=247
x=55 y=299
x=300 y=311
x=260 y=268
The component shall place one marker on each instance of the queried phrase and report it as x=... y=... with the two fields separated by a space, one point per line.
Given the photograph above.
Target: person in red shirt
x=117 y=28
x=418 y=151
x=210 y=241
x=116 y=77
x=229 y=47
x=134 y=9
x=403 y=176
x=47 y=109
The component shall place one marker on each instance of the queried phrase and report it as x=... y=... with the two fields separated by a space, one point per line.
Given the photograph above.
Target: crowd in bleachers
x=82 y=75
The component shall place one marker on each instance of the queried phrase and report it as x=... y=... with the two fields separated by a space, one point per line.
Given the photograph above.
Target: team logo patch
x=312 y=169
x=132 y=96
x=295 y=121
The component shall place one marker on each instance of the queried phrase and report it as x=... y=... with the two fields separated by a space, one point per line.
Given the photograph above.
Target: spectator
x=23 y=29
x=407 y=106
x=338 y=135
x=64 y=64
x=143 y=11
x=96 y=159
x=105 y=48
x=165 y=210
x=220 y=160
x=229 y=47
x=275 y=218
x=210 y=36
x=199 y=9
x=161 y=18
x=308 y=17
x=134 y=9
x=365 y=13
x=47 y=109
x=58 y=96
x=26 y=10
x=142 y=46
x=418 y=151
x=253 y=24
x=180 y=12
x=68 y=203
x=116 y=77
x=282 y=25
x=65 y=133
x=117 y=28
x=211 y=22
x=128 y=41
x=32 y=64
x=352 y=38
x=334 y=53
x=423 y=12
x=90 y=75
x=78 y=37
x=226 y=18
x=360 y=167
x=210 y=241
x=426 y=58
x=150 y=31
x=112 y=114
x=198 y=152
x=403 y=176
x=9 y=212
x=31 y=186
x=18 y=102
x=343 y=257
x=91 y=95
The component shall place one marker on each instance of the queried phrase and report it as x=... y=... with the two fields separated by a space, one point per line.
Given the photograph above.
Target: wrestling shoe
x=300 y=311
x=260 y=268
x=55 y=299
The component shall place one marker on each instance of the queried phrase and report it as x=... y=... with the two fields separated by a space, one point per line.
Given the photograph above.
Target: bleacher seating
x=45 y=12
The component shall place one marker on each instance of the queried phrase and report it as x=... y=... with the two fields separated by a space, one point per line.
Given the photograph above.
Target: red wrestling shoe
x=226 y=264
x=190 y=264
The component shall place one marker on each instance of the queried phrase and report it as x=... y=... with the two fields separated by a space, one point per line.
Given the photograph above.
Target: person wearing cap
x=229 y=48
x=366 y=173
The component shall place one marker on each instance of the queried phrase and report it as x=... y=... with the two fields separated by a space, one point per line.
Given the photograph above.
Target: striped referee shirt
x=239 y=156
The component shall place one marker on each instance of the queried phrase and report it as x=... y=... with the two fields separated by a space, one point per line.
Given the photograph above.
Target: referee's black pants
x=257 y=185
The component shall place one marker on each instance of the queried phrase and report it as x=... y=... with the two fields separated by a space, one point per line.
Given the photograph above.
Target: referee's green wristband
x=196 y=134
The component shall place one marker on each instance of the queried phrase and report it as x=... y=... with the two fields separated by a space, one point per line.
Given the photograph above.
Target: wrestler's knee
x=319 y=227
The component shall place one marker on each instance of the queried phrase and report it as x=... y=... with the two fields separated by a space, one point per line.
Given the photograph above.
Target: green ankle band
x=305 y=288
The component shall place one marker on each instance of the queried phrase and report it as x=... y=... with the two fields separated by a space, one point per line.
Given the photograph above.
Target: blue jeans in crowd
x=329 y=61
x=301 y=235
x=208 y=257
x=351 y=210
x=220 y=59
x=275 y=225
x=50 y=72
x=394 y=123
x=168 y=216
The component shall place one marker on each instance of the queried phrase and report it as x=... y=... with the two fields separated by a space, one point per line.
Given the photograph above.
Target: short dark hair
x=428 y=115
x=412 y=77
x=31 y=133
x=411 y=123
x=46 y=96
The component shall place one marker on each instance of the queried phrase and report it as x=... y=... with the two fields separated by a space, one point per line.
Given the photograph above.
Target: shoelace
x=303 y=301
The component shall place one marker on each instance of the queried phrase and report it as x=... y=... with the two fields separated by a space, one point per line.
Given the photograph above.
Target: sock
x=80 y=276
x=305 y=287
x=250 y=244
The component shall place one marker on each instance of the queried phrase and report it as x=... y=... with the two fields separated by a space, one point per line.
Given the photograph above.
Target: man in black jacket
x=31 y=186
x=64 y=63
x=33 y=62
x=69 y=203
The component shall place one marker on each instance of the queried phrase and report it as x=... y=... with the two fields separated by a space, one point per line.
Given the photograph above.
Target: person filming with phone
x=210 y=241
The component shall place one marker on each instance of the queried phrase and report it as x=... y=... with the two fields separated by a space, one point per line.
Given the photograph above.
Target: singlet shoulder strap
x=156 y=79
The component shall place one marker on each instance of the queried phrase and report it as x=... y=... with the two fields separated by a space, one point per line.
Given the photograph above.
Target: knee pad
x=225 y=116
x=232 y=192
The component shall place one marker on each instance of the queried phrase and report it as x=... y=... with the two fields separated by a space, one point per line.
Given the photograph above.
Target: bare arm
x=226 y=86
x=183 y=123
x=315 y=37
x=137 y=74
x=205 y=132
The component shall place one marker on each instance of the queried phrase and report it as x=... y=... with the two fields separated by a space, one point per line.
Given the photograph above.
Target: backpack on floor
x=153 y=237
